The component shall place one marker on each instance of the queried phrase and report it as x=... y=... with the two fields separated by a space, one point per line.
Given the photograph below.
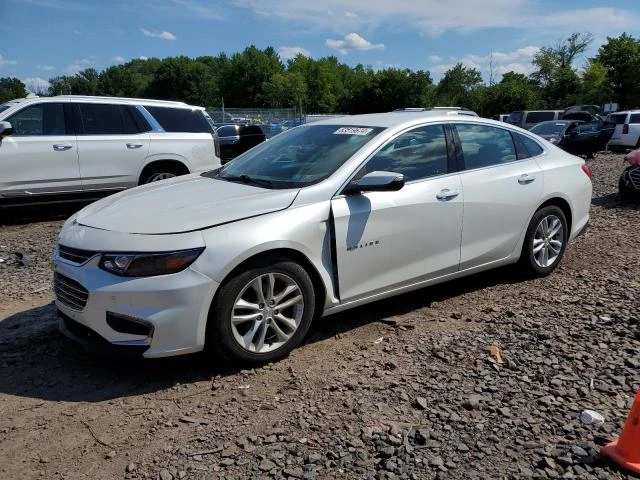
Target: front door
x=392 y=239
x=41 y=156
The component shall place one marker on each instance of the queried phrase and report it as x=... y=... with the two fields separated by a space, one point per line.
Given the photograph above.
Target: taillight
x=216 y=144
x=625 y=129
x=587 y=171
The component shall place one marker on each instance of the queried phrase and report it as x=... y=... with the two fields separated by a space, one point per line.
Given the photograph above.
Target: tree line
x=259 y=78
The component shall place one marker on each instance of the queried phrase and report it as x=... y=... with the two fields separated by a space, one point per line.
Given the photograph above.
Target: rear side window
x=105 y=119
x=227 y=131
x=484 y=146
x=525 y=146
x=42 y=119
x=180 y=119
x=618 y=119
x=537 y=117
x=635 y=118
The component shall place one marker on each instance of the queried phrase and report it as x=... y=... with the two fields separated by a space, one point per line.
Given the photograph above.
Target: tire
x=241 y=343
x=161 y=172
x=627 y=193
x=533 y=263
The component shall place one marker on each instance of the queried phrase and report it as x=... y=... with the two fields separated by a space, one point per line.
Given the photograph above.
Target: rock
x=421 y=403
x=436 y=462
x=165 y=475
x=131 y=467
x=111 y=455
x=266 y=465
x=293 y=472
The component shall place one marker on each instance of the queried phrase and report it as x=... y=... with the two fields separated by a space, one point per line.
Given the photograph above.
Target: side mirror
x=5 y=129
x=376 y=182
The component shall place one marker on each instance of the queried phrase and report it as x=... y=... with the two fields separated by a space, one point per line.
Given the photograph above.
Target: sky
x=45 y=38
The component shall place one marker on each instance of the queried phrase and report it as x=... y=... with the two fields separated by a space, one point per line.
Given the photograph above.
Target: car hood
x=182 y=204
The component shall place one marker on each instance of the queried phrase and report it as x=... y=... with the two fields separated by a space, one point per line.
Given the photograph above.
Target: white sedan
x=321 y=218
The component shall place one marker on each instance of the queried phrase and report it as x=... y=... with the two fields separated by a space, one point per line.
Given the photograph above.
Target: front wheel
x=627 y=192
x=545 y=241
x=262 y=313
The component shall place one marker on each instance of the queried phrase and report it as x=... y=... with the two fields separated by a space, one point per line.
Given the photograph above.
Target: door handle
x=525 y=179
x=61 y=147
x=447 y=194
x=134 y=145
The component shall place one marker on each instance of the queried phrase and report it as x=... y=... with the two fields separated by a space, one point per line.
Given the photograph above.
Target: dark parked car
x=576 y=136
x=237 y=139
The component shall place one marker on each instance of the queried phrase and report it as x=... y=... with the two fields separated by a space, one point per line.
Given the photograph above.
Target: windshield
x=299 y=157
x=549 y=128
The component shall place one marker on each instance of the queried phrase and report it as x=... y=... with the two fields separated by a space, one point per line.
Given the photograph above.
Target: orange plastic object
x=625 y=451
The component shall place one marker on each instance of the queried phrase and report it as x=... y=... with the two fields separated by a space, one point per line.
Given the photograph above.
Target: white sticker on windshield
x=353 y=131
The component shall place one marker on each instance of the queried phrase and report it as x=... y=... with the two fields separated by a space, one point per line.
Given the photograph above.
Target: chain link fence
x=272 y=120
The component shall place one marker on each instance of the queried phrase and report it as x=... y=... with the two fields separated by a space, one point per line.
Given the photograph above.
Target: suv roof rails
x=140 y=100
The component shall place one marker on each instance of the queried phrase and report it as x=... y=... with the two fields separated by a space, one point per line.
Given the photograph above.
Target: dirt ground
x=404 y=388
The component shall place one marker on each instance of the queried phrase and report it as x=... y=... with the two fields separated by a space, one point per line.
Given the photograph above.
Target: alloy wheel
x=548 y=241
x=267 y=312
x=159 y=176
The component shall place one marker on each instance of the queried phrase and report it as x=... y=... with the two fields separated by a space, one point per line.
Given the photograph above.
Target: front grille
x=634 y=176
x=69 y=292
x=75 y=255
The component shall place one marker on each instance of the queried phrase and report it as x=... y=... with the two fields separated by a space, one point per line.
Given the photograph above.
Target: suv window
x=515 y=118
x=105 y=119
x=634 y=118
x=618 y=119
x=417 y=154
x=483 y=146
x=537 y=117
x=41 y=119
x=180 y=119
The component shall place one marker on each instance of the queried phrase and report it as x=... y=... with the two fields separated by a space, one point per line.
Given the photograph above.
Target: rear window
x=180 y=119
x=618 y=119
x=537 y=117
x=635 y=118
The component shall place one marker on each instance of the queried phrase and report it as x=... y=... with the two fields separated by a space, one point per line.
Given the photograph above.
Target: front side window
x=417 y=154
x=104 y=119
x=42 y=119
x=484 y=146
x=299 y=157
x=183 y=120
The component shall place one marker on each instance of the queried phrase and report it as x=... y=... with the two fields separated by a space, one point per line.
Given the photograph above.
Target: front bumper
x=174 y=308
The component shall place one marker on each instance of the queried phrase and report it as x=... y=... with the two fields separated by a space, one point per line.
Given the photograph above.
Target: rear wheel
x=545 y=241
x=162 y=170
x=262 y=313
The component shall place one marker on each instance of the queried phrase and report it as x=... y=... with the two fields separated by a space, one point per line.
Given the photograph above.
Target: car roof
x=394 y=119
x=95 y=99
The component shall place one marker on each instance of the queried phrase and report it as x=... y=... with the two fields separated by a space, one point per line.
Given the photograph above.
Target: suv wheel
x=262 y=313
x=157 y=176
x=627 y=193
x=545 y=241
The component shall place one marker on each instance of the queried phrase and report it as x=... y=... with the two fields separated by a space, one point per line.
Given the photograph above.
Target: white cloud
x=118 y=59
x=352 y=41
x=164 y=35
x=80 y=64
x=73 y=68
x=287 y=53
x=518 y=61
x=4 y=61
x=435 y=58
x=46 y=68
x=142 y=57
x=37 y=85
x=434 y=17
x=195 y=8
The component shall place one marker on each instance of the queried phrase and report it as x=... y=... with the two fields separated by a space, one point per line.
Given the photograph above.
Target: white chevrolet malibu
x=321 y=218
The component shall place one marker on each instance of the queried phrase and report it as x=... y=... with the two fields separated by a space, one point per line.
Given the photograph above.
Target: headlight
x=148 y=264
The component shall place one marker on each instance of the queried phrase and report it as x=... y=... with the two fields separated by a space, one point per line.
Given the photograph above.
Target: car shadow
x=38 y=362
x=39 y=213
x=614 y=201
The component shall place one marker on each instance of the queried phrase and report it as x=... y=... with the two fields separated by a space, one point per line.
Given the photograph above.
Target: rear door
x=111 y=147
x=41 y=156
x=392 y=239
x=619 y=119
x=502 y=184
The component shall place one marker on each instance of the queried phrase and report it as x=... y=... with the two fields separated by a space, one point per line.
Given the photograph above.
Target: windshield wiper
x=247 y=179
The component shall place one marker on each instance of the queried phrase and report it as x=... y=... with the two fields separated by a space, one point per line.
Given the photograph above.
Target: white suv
x=74 y=147
x=627 y=133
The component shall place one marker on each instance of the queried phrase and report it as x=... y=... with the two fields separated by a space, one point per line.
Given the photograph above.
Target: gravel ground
x=404 y=388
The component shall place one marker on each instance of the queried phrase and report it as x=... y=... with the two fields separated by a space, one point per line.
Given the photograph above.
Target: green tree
x=514 y=92
x=11 y=88
x=459 y=87
x=621 y=57
x=182 y=78
x=595 y=88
